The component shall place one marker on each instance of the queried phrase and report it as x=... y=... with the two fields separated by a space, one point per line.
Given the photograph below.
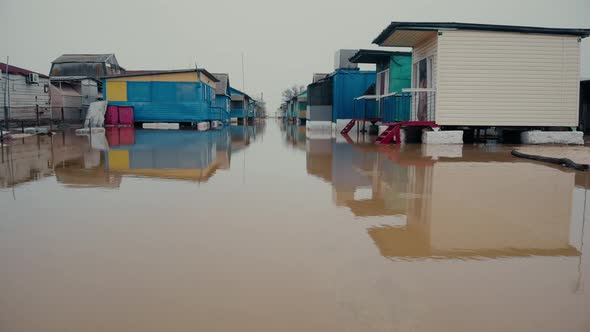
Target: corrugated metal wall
x=349 y=84
x=507 y=79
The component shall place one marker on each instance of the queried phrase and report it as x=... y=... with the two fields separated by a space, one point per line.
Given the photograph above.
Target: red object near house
x=111 y=117
x=112 y=134
x=126 y=135
x=126 y=115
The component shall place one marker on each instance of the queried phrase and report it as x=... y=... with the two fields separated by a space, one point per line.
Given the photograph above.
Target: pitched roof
x=436 y=26
x=236 y=92
x=83 y=58
x=222 y=85
x=13 y=70
x=161 y=72
x=374 y=56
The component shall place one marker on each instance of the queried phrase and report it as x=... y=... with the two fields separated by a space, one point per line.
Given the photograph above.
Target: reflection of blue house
x=242 y=105
x=222 y=96
x=184 y=155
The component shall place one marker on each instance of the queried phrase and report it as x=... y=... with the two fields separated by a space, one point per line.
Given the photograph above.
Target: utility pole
x=7 y=94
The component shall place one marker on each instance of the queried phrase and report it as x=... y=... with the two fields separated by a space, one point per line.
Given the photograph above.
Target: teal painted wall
x=400 y=73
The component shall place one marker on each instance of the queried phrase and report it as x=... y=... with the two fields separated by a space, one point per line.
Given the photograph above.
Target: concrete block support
x=202 y=126
x=319 y=125
x=161 y=125
x=552 y=137
x=442 y=137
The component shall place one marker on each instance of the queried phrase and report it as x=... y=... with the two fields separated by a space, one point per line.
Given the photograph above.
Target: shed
x=332 y=98
x=22 y=93
x=394 y=73
x=491 y=75
x=241 y=105
x=183 y=96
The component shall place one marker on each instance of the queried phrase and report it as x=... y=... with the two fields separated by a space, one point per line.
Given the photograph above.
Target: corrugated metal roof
x=13 y=70
x=83 y=58
x=222 y=86
x=436 y=26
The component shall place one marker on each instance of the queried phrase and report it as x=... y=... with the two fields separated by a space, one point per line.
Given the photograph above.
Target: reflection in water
x=181 y=155
x=300 y=234
x=469 y=205
x=81 y=162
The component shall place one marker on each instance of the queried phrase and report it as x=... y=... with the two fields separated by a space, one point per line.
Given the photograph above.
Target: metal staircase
x=391 y=133
x=348 y=127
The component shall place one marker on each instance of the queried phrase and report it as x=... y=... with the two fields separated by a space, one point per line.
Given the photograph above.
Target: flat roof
x=436 y=26
x=375 y=56
x=162 y=72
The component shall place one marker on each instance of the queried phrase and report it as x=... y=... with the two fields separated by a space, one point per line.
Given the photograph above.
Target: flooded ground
x=262 y=229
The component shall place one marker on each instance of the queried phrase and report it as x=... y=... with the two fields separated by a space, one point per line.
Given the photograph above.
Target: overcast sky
x=284 y=42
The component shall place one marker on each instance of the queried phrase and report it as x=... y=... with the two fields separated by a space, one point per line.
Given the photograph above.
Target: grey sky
x=284 y=42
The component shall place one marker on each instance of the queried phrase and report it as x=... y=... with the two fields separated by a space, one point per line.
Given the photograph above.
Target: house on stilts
x=467 y=77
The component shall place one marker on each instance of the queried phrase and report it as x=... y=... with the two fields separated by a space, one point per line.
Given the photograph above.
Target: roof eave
x=430 y=26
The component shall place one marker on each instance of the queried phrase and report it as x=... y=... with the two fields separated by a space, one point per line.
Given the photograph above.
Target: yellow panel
x=175 y=77
x=208 y=81
x=118 y=160
x=116 y=91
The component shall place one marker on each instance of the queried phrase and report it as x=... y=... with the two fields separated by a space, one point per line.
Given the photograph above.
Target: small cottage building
x=24 y=94
x=180 y=96
x=242 y=106
x=491 y=75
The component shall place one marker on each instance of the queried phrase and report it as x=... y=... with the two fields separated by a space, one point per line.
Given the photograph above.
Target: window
x=237 y=104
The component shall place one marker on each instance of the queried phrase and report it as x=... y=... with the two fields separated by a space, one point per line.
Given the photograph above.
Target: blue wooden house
x=242 y=105
x=183 y=96
x=223 y=96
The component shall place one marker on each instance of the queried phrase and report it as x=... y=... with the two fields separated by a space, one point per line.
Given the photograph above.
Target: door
x=423 y=81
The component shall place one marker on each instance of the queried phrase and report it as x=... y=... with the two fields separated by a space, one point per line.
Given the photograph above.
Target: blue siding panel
x=349 y=84
x=171 y=102
x=139 y=91
x=237 y=113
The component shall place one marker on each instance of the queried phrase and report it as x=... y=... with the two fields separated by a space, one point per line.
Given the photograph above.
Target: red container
x=112 y=115
x=126 y=115
x=112 y=134
x=126 y=135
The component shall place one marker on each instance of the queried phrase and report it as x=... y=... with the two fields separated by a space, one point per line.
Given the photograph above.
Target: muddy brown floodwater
x=264 y=229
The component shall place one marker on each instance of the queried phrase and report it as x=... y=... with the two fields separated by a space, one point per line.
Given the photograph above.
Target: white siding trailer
x=491 y=75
